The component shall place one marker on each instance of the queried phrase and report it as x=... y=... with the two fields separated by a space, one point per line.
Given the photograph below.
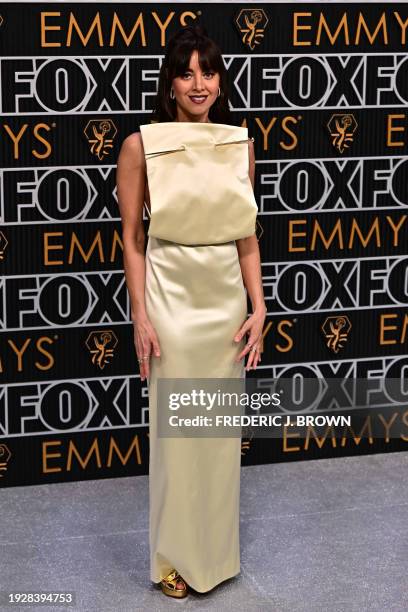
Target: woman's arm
x=250 y=262
x=131 y=182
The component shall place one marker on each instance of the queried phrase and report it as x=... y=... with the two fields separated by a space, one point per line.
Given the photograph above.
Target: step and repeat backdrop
x=323 y=89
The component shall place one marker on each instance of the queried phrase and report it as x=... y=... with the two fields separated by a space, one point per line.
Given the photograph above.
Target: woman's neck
x=177 y=121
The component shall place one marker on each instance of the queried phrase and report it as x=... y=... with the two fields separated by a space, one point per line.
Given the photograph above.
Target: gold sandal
x=169 y=585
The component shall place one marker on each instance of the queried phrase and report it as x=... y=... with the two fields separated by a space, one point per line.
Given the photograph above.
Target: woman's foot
x=174 y=585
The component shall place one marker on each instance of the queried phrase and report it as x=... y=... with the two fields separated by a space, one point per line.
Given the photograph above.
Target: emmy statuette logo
x=336 y=330
x=5 y=455
x=342 y=128
x=101 y=346
x=251 y=24
x=100 y=134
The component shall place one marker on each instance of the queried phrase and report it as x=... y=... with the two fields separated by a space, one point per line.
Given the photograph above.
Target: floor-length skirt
x=196 y=301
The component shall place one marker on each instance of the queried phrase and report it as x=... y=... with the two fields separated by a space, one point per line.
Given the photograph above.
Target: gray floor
x=322 y=535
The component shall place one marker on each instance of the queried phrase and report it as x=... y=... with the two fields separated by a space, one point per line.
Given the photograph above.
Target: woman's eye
x=188 y=74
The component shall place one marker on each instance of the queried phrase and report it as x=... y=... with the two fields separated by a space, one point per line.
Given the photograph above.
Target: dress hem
x=210 y=584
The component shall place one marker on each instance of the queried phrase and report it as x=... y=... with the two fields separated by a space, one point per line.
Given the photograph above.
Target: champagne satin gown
x=196 y=300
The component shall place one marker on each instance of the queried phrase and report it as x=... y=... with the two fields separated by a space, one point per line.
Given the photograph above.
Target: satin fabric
x=198 y=175
x=196 y=300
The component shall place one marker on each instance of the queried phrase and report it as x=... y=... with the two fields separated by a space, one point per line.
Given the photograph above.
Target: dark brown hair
x=176 y=62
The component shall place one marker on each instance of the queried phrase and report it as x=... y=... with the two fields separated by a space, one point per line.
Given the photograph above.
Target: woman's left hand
x=252 y=326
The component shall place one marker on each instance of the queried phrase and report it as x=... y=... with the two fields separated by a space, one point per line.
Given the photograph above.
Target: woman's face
x=195 y=91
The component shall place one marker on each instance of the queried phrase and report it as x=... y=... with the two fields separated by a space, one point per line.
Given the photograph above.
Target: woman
x=189 y=309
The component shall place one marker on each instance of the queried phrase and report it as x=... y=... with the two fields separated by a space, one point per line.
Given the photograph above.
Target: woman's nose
x=198 y=83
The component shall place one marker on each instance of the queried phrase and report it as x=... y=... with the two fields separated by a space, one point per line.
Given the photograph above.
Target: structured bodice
x=198 y=182
x=147 y=192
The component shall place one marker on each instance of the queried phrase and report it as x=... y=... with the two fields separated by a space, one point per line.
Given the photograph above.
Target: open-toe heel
x=169 y=585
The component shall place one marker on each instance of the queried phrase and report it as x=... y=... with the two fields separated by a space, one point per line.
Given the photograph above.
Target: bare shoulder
x=131 y=151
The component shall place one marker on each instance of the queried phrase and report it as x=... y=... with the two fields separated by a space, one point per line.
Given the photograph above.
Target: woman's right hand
x=146 y=344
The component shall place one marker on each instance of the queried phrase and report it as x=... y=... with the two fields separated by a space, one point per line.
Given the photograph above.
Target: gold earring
x=219 y=92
